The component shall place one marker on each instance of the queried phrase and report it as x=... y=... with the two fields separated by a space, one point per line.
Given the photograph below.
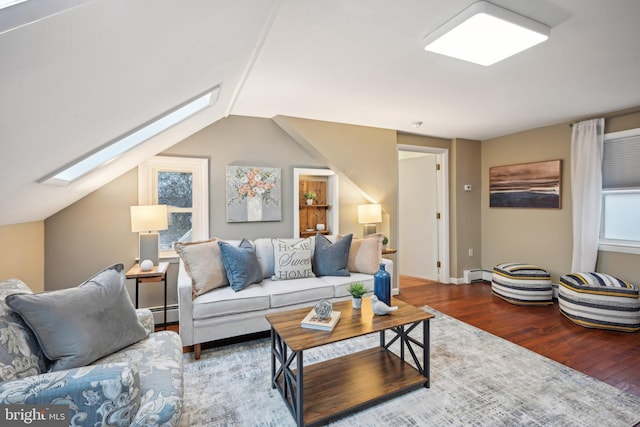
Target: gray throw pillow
x=241 y=264
x=331 y=259
x=80 y=325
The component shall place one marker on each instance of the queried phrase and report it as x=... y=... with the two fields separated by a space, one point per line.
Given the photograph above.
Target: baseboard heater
x=472 y=276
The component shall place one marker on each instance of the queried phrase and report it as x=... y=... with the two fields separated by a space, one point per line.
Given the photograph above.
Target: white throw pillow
x=291 y=261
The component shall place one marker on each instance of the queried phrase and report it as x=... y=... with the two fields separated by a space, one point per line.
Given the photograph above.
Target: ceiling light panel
x=485 y=34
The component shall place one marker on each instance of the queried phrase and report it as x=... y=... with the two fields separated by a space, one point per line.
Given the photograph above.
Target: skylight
x=7 y=3
x=130 y=140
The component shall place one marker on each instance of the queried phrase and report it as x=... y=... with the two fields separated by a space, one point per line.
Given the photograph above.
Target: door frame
x=442 y=190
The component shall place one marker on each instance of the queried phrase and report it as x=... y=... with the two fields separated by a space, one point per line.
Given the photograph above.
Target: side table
x=156 y=274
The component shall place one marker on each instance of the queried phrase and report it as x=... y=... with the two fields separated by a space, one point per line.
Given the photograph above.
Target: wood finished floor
x=612 y=357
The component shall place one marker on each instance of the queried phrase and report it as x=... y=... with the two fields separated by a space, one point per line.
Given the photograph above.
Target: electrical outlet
x=470 y=252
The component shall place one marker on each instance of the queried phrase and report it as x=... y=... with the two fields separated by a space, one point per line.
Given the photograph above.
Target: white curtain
x=587 y=141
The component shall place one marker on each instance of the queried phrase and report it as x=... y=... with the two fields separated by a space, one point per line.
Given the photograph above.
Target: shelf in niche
x=313 y=233
x=323 y=210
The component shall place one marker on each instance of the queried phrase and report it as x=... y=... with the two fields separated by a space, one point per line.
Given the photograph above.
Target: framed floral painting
x=253 y=194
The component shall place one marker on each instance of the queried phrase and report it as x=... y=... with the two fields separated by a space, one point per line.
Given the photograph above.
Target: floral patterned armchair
x=140 y=384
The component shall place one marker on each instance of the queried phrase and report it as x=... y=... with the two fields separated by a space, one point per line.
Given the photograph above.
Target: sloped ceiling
x=72 y=81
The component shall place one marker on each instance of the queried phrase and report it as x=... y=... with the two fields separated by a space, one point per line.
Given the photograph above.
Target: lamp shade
x=369 y=213
x=148 y=218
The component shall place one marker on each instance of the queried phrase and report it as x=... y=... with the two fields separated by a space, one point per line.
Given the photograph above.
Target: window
x=182 y=185
x=620 y=229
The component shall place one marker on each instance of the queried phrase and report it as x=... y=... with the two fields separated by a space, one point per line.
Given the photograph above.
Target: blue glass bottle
x=382 y=285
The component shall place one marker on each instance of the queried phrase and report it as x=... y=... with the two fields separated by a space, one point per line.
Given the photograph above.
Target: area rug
x=477 y=379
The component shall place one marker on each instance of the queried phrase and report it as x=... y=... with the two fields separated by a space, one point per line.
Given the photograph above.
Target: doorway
x=423 y=242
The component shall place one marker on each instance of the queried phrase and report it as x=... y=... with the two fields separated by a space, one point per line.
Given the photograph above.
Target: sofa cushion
x=341 y=283
x=20 y=353
x=203 y=262
x=365 y=254
x=292 y=261
x=79 y=325
x=241 y=264
x=331 y=259
x=296 y=291
x=225 y=301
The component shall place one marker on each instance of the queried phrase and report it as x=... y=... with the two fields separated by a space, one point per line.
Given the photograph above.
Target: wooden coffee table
x=325 y=390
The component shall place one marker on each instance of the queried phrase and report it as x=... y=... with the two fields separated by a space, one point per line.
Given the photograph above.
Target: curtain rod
x=612 y=115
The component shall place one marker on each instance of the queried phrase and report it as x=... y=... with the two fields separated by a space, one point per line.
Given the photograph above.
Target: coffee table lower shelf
x=338 y=386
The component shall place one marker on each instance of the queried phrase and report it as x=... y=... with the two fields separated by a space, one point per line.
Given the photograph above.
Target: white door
x=418 y=225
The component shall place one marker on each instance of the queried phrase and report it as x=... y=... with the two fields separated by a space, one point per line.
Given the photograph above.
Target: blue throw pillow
x=241 y=264
x=331 y=259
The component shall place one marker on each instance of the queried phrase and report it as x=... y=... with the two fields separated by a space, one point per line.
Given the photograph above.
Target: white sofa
x=223 y=313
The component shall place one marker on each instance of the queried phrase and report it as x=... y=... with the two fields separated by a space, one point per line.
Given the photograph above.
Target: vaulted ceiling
x=76 y=77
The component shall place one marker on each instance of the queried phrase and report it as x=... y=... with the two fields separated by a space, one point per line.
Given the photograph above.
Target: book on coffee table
x=312 y=321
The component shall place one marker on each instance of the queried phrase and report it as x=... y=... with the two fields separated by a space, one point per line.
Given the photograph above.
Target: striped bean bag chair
x=522 y=284
x=597 y=300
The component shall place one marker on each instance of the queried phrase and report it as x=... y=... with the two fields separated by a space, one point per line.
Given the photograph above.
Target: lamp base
x=146 y=265
x=368 y=229
x=149 y=247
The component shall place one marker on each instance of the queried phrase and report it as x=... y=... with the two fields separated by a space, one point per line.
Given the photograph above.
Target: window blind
x=621 y=162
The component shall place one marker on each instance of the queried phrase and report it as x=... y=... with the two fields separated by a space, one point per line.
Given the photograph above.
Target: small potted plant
x=310 y=196
x=385 y=240
x=357 y=290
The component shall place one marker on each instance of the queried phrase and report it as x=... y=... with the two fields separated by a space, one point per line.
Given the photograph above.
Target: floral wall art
x=253 y=194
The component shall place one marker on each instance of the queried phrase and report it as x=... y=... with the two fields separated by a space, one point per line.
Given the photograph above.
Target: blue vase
x=382 y=285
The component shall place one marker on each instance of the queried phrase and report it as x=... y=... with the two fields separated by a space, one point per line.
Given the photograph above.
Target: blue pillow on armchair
x=241 y=264
x=331 y=259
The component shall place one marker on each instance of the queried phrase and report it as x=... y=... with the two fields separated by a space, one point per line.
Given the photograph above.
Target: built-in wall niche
x=323 y=210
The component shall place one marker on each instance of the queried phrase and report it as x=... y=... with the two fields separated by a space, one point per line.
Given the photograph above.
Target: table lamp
x=148 y=220
x=368 y=215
